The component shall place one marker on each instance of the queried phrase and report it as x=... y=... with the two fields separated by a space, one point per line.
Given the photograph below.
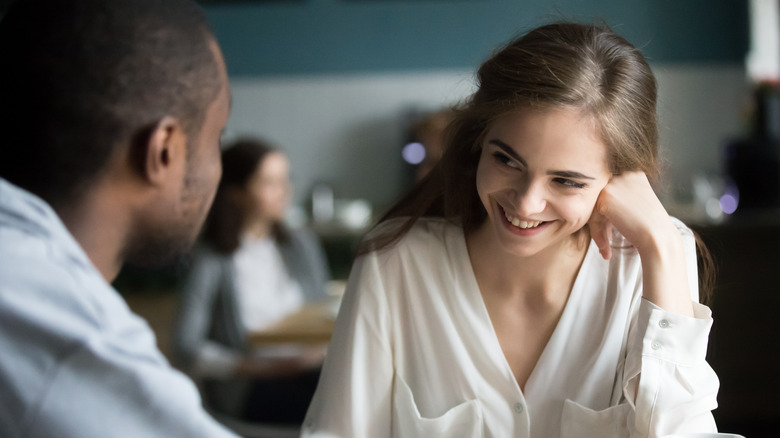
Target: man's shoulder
x=61 y=320
x=31 y=261
x=50 y=287
x=47 y=315
x=49 y=302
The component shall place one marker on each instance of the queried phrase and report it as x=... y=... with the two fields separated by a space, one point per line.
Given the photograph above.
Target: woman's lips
x=521 y=226
x=521 y=223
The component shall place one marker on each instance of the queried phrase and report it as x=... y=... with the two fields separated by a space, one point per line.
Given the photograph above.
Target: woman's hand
x=629 y=204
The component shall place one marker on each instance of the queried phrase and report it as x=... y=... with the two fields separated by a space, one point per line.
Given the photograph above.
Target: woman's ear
x=164 y=151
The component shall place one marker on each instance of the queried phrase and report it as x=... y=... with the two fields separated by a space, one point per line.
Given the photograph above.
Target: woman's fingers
x=600 y=232
x=629 y=203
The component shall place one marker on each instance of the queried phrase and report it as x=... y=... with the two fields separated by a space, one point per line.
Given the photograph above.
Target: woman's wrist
x=661 y=241
x=665 y=273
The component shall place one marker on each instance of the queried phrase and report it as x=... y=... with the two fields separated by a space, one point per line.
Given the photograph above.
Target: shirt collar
x=26 y=211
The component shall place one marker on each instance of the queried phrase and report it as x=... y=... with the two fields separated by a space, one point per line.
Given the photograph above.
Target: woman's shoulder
x=298 y=236
x=308 y=235
x=434 y=228
x=427 y=259
x=300 y=242
x=426 y=234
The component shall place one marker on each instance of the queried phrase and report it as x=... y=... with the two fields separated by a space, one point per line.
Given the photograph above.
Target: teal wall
x=341 y=36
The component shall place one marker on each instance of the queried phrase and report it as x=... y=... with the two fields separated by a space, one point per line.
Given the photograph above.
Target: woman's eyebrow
x=560 y=173
x=509 y=151
x=568 y=174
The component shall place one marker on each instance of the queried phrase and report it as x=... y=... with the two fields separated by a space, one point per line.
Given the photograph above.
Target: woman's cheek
x=581 y=210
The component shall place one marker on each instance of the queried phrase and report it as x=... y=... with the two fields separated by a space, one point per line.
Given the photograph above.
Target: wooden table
x=312 y=324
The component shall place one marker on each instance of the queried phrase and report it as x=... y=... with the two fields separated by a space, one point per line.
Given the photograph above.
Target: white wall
x=344 y=130
x=699 y=109
x=347 y=130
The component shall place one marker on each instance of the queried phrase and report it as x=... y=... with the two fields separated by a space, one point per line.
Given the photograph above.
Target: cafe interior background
x=338 y=83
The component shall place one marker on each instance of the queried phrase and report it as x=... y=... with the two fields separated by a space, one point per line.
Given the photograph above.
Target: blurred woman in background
x=250 y=271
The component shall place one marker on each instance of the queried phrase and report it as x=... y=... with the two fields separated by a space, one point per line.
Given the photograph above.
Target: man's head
x=87 y=84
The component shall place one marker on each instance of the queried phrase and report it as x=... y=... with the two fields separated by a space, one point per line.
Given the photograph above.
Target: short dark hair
x=80 y=78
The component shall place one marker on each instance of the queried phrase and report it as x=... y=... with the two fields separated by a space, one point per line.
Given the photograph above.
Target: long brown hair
x=562 y=65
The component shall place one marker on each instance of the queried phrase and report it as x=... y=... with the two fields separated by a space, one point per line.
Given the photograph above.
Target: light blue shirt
x=74 y=360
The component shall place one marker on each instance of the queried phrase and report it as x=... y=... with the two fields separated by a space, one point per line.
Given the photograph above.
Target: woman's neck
x=545 y=277
x=258 y=228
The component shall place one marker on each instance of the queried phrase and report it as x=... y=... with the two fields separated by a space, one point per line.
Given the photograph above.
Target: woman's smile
x=539 y=175
x=521 y=226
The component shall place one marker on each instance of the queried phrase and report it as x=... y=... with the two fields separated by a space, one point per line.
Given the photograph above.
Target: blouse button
x=664 y=323
x=655 y=345
x=519 y=408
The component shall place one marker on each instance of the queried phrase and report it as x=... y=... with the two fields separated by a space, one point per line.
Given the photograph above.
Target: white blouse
x=414 y=354
x=266 y=291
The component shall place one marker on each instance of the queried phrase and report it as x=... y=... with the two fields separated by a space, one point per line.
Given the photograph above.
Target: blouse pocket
x=461 y=421
x=579 y=421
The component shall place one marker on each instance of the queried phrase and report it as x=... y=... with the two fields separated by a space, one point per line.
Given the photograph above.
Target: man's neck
x=99 y=224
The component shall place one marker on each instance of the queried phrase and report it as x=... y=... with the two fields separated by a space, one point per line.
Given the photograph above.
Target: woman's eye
x=505 y=160
x=569 y=183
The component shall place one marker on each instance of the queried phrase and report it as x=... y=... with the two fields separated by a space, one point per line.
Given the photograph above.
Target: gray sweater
x=209 y=314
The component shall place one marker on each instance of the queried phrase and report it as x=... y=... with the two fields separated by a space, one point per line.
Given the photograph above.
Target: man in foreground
x=111 y=113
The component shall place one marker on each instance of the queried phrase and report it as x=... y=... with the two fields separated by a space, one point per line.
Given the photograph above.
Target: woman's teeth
x=521 y=224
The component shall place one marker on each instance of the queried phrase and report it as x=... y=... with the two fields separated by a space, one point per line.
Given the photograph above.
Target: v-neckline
x=496 y=344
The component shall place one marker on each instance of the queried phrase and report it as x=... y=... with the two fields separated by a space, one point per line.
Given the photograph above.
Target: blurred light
x=713 y=209
x=413 y=153
x=729 y=203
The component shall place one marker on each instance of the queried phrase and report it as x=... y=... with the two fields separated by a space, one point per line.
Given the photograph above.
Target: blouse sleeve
x=353 y=398
x=667 y=381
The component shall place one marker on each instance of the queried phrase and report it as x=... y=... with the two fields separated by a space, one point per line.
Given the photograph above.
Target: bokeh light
x=413 y=153
x=728 y=203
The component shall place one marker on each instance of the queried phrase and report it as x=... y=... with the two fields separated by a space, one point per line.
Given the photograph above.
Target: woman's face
x=539 y=176
x=268 y=190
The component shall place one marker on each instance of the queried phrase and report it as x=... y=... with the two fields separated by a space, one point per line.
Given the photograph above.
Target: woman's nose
x=531 y=198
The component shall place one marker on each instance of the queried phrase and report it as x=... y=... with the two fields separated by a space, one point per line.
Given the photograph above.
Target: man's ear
x=164 y=150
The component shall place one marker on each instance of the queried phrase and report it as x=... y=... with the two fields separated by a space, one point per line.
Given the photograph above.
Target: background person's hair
x=586 y=68
x=224 y=225
x=79 y=78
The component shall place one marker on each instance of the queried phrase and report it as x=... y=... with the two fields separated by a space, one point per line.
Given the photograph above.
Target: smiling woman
x=545 y=185
x=532 y=285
